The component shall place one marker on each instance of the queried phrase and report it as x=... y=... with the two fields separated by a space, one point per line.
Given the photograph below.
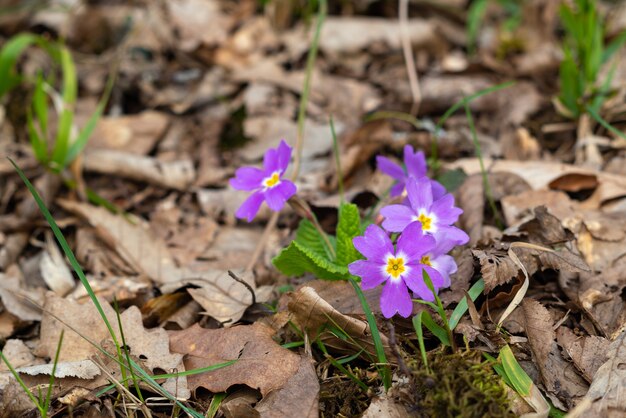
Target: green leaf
x=452 y=179
x=308 y=236
x=8 y=57
x=462 y=307
x=437 y=330
x=349 y=226
x=39 y=145
x=296 y=259
x=520 y=381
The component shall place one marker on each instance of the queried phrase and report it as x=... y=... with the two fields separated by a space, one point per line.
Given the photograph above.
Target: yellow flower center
x=272 y=181
x=426 y=221
x=395 y=266
x=426 y=261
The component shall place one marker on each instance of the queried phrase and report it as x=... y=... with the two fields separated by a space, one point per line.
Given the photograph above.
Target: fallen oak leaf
x=607 y=392
x=564 y=385
x=583 y=350
x=261 y=363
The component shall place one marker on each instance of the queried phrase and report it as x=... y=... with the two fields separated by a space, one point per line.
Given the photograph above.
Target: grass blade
x=462 y=307
x=378 y=343
x=417 y=324
x=46 y=404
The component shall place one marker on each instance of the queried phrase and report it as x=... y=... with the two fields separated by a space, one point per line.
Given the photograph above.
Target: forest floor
x=532 y=150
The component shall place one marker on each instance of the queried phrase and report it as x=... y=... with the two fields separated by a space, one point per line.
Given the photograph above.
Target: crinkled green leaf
x=308 y=236
x=349 y=226
x=296 y=259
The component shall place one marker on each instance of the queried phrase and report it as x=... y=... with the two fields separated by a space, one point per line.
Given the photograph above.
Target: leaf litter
x=203 y=88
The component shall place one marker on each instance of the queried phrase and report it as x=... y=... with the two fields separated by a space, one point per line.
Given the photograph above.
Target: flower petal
x=397 y=189
x=397 y=217
x=390 y=168
x=284 y=155
x=420 y=193
x=415 y=162
x=445 y=265
x=250 y=206
x=279 y=194
x=438 y=190
x=413 y=243
x=452 y=233
x=374 y=244
x=415 y=281
x=443 y=245
x=247 y=178
x=371 y=273
x=435 y=277
x=395 y=298
x=444 y=209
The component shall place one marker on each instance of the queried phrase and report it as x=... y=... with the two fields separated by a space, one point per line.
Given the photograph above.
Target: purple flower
x=436 y=216
x=414 y=166
x=442 y=265
x=266 y=184
x=398 y=268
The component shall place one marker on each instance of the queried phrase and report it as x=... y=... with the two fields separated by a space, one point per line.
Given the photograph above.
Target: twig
x=261 y=244
x=408 y=55
x=243 y=282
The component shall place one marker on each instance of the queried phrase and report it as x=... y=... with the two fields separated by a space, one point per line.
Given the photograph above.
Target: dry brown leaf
x=220 y=295
x=261 y=363
x=384 y=407
x=83 y=318
x=585 y=352
x=313 y=314
x=563 y=384
x=607 y=392
x=189 y=18
x=135 y=242
x=54 y=269
x=600 y=297
x=516 y=206
x=18 y=355
x=471 y=198
x=178 y=175
x=556 y=176
x=135 y=134
x=299 y=397
x=19 y=299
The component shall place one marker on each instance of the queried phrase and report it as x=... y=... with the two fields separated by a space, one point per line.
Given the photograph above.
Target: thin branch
x=243 y=282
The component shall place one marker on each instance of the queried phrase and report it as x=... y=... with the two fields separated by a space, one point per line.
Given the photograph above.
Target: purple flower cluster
x=266 y=185
x=425 y=220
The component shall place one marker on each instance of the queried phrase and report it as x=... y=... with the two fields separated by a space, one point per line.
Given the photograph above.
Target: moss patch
x=461 y=385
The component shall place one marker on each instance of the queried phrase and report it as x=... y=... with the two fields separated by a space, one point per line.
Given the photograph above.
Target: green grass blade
x=46 y=404
x=216 y=401
x=81 y=140
x=347 y=372
x=417 y=324
x=8 y=57
x=17 y=377
x=66 y=249
x=40 y=105
x=61 y=143
x=462 y=307
x=378 y=343
x=70 y=80
x=435 y=328
x=37 y=143
x=604 y=123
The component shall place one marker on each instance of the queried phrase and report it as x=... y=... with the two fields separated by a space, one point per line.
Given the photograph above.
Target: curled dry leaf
x=564 y=385
x=585 y=352
x=314 y=315
x=385 y=407
x=607 y=392
x=55 y=270
x=261 y=363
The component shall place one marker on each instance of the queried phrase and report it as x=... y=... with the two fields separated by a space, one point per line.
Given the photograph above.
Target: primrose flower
x=436 y=216
x=400 y=269
x=414 y=166
x=266 y=184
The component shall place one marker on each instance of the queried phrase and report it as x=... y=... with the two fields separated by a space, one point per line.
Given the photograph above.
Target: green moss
x=461 y=385
x=342 y=397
